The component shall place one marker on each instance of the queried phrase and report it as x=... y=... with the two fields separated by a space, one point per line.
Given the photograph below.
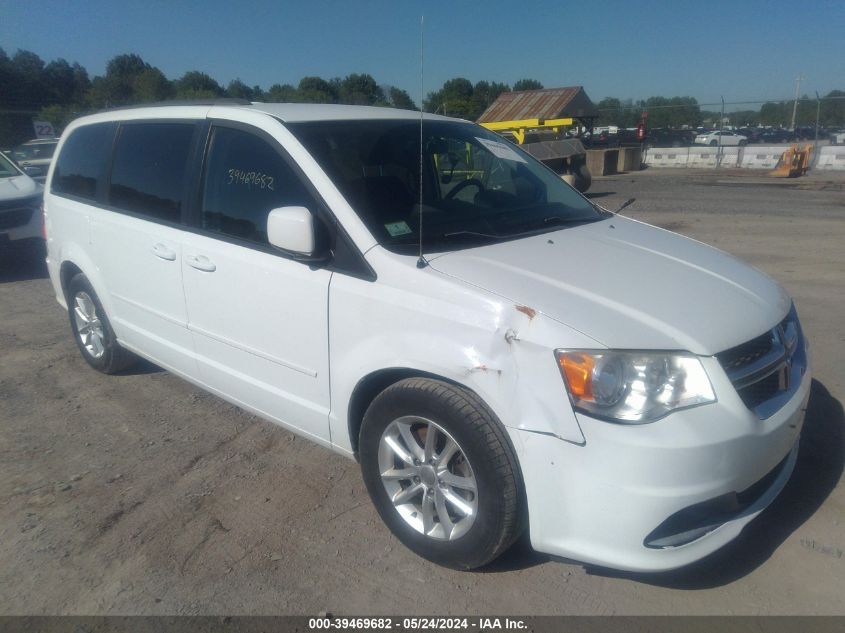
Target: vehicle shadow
x=22 y=266
x=141 y=367
x=817 y=472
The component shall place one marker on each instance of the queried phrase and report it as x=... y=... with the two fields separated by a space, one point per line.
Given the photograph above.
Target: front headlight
x=633 y=387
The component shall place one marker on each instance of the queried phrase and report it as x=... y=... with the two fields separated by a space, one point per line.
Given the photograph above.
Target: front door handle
x=163 y=252
x=201 y=262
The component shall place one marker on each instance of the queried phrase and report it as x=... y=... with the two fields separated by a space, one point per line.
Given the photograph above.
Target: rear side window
x=245 y=178
x=148 y=169
x=80 y=168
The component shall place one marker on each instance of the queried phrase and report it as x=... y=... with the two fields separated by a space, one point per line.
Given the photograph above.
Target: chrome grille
x=745 y=354
x=767 y=370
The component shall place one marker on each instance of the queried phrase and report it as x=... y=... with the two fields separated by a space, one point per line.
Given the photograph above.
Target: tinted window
x=82 y=162
x=35 y=151
x=148 y=170
x=245 y=178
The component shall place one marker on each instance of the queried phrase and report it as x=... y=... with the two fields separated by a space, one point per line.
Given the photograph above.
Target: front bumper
x=22 y=223
x=603 y=502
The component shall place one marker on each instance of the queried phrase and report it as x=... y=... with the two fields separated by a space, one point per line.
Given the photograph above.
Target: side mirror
x=292 y=229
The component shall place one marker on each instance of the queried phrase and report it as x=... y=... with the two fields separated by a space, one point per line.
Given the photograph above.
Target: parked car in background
x=600 y=139
x=753 y=134
x=20 y=207
x=776 y=135
x=35 y=156
x=665 y=137
x=729 y=137
x=837 y=138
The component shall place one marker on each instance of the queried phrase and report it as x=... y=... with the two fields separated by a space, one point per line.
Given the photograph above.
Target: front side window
x=81 y=164
x=148 y=169
x=246 y=178
x=476 y=186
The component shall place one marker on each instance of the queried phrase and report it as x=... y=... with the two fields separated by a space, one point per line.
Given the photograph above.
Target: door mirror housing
x=292 y=229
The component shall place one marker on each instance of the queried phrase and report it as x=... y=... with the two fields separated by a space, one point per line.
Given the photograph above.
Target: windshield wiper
x=561 y=220
x=475 y=234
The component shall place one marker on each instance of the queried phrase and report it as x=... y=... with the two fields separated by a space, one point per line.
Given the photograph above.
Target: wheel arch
x=371 y=385
x=68 y=271
x=75 y=260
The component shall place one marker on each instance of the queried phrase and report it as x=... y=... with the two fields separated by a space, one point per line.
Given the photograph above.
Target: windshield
x=7 y=169
x=476 y=186
x=36 y=151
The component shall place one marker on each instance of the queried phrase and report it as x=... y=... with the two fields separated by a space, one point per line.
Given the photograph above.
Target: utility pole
x=721 y=123
x=816 y=142
x=798 y=81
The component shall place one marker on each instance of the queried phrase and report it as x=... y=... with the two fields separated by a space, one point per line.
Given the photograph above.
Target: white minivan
x=498 y=352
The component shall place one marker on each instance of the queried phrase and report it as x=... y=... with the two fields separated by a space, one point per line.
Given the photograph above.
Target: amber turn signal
x=577 y=370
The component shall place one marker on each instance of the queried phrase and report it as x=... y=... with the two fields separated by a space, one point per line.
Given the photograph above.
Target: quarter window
x=148 y=170
x=245 y=178
x=80 y=166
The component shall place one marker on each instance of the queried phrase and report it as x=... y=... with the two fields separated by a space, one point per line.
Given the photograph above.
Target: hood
x=18 y=187
x=628 y=285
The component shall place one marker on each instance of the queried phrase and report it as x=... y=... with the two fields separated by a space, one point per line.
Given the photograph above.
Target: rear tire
x=583 y=178
x=457 y=502
x=92 y=331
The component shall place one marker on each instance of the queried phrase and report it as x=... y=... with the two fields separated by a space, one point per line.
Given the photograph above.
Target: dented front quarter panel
x=419 y=319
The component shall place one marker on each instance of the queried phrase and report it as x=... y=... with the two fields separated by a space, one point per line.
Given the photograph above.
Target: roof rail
x=185 y=102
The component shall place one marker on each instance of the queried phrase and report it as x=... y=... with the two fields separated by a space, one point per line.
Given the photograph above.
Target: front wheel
x=441 y=472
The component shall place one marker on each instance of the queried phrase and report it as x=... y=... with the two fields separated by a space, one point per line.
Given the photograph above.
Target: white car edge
x=20 y=206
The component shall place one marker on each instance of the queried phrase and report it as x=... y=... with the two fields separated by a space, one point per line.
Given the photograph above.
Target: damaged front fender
x=444 y=327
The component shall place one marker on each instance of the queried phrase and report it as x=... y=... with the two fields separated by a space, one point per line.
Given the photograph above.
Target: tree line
x=677 y=112
x=58 y=91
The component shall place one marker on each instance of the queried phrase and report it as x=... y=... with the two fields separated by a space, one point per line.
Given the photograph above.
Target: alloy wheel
x=88 y=325
x=428 y=478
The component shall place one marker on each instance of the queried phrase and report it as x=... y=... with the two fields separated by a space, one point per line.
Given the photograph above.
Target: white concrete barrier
x=667 y=156
x=731 y=156
x=831 y=157
x=762 y=156
x=702 y=156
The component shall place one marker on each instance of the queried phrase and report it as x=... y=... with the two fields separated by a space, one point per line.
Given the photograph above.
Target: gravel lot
x=139 y=494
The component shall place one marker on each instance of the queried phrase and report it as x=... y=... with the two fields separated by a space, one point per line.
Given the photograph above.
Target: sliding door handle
x=201 y=262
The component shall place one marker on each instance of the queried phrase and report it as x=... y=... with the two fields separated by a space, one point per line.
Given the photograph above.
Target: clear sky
x=741 y=49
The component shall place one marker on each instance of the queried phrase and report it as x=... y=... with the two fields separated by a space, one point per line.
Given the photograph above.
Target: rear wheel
x=92 y=331
x=583 y=178
x=441 y=472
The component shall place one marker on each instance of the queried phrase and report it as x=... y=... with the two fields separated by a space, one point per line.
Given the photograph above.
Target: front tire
x=441 y=472
x=92 y=331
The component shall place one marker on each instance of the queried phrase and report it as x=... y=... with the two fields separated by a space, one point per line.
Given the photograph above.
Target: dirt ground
x=139 y=494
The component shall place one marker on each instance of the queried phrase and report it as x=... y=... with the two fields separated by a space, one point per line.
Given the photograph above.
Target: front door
x=258 y=318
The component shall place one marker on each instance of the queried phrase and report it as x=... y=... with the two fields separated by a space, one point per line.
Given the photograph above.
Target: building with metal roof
x=548 y=103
